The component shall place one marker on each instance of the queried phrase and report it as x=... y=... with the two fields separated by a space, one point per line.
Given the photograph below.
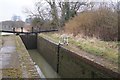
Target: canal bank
x=68 y=62
x=15 y=61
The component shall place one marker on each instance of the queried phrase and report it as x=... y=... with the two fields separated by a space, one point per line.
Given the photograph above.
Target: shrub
x=100 y=23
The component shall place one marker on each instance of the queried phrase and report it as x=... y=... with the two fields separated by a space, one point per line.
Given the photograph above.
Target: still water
x=46 y=69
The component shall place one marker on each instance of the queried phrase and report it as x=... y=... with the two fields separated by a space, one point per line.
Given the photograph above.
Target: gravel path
x=8 y=53
x=15 y=61
x=8 y=57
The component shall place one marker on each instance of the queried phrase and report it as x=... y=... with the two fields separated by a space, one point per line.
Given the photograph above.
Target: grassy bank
x=104 y=49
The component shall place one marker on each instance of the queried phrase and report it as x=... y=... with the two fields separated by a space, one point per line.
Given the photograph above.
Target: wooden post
x=13 y=29
x=39 y=29
x=21 y=29
x=36 y=39
x=32 y=29
x=58 y=54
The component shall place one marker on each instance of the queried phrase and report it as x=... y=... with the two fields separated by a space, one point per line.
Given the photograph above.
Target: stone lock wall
x=49 y=51
x=30 y=41
x=73 y=66
x=70 y=65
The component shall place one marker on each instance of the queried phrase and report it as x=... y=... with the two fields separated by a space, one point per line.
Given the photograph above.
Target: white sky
x=8 y=8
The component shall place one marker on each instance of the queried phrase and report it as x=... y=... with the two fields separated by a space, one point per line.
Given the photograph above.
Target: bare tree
x=69 y=10
x=54 y=13
x=51 y=13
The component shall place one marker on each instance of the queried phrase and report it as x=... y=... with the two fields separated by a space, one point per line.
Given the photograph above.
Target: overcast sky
x=8 y=8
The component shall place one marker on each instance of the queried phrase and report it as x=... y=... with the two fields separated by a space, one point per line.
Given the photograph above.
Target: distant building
x=28 y=20
x=9 y=25
x=16 y=18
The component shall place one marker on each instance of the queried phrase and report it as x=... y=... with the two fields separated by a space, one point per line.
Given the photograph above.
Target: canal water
x=45 y=68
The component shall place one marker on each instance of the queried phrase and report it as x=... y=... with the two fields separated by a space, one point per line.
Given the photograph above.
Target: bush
x=100 y=23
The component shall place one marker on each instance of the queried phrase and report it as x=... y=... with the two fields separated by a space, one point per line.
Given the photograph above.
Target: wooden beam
x=41 y=31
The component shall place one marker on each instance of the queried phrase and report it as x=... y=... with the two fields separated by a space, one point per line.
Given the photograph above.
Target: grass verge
x=105 y=49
